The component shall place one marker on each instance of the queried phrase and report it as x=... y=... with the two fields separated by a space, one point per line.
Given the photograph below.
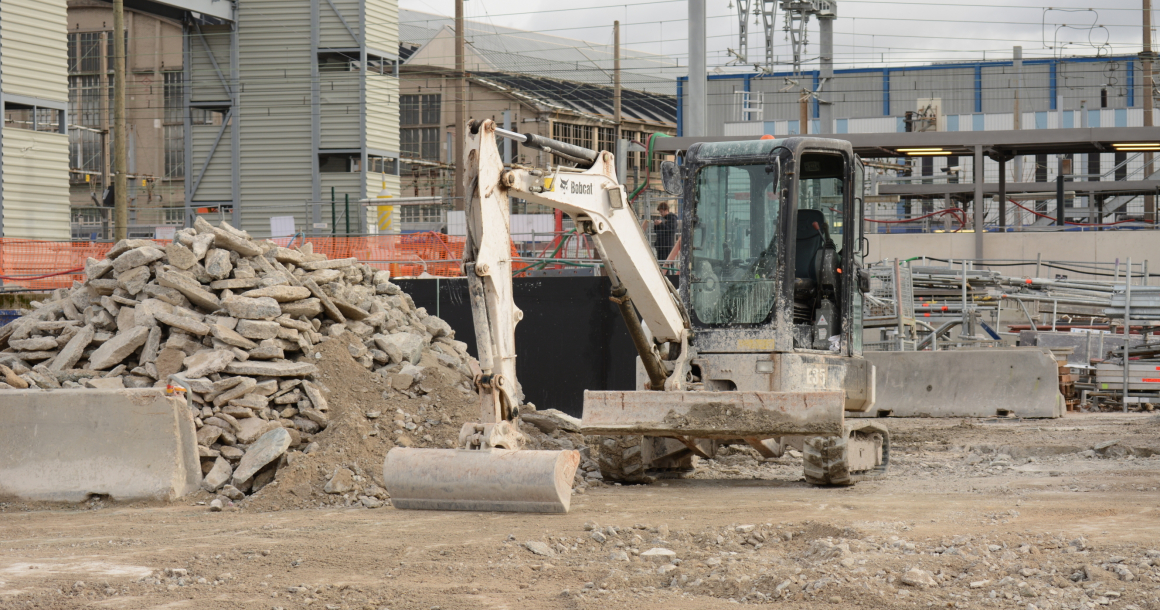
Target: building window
x=419 y=109
x=174 y=98
x=604 y=139
x=420 y=143
x=421 y=213
x=174 y=152
x=84 y=52
x=339 y=163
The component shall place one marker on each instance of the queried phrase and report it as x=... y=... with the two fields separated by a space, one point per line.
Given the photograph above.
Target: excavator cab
x=770 y=278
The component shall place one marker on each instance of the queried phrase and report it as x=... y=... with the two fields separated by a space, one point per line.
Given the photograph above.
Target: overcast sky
x=868 y=33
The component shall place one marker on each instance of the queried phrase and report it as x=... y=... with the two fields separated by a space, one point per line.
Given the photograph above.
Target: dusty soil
x=1041 y=514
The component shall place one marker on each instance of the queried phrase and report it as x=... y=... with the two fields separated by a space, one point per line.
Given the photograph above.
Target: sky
x=867 y=33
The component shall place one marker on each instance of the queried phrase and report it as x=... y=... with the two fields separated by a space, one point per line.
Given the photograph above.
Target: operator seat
x=809 y=242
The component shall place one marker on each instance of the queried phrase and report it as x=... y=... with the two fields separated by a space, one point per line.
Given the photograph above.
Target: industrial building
x=1061 y=93
x=34 y=187
x=530 y=82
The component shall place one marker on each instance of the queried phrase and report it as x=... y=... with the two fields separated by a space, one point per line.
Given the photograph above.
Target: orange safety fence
x=47 y=265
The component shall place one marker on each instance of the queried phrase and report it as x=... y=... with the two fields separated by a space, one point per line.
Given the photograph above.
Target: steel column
x=236 y=129
x=978 y=176
x=696 y=110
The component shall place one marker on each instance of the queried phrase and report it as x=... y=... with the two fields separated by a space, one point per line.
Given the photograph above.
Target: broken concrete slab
x=115 y=350
x=269 y=447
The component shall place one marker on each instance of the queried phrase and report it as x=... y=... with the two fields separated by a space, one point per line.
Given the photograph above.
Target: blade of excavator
x=524 y=481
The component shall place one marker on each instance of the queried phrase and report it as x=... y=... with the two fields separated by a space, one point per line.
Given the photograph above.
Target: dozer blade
x=713 y=414
x=523 y=481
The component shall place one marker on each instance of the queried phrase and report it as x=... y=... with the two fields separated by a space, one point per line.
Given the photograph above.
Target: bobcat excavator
x=761 y=344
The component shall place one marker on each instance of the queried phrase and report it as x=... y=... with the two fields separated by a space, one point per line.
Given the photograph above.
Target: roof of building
x=585 y=98
x=538 y=54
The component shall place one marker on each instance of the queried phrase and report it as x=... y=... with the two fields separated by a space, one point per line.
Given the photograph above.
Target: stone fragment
x=191 y=288
x=111 y=383
x=152 y=344
x=288 y=255
x=915 y=577
x=208 y=435
x=231 y=241
x=437 y=327
x=216 y=505
x=187 y=324
x=327 y=305
x=133 y=281
x=267 y=352
x=136 y=257
x=539 y=548
x=115 y=350
x=96 y=269
x=314 y=393
x=258 y=329
x=232 y=492
x=408 y=346
x=371 y=501
x=306 y=307
x=315 y=416
x=217 y=264
x=271 y=368
x=350 y=311
x=250 y=429
x=168 y=362
x=12 y=379
x=232 y=453
x=269 y=447
x=247 y=384
x=35 y=344
x=658 y=555
x=125 y=245
x=331 y=263
x=207 y=363
x=217 y=476
x=282 y=294
x=231 y=337
x=201 y=244
x=180 y=256
x=261 y=308
x=341 y=482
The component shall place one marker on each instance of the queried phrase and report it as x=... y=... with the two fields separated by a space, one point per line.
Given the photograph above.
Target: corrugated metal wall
x=340 y=109
x=382 y=113
x=217 y=182
x=382 y=25
x=274 y=67
x=204 y=82
x=35 y=58
x=332 y=34
x=34 y=62
x=35 y=183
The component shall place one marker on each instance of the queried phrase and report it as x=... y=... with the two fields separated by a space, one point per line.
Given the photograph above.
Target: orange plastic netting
x=48 y=265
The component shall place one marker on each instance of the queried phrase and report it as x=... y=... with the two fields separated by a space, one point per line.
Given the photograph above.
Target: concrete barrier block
x=65 y=445
x=1020 y=381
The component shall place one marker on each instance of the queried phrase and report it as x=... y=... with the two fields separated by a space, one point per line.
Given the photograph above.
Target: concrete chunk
x=34 y=344
x=187 y=324
x=133 y=281
x=408 y=345
x=48 y=451
x=269 y=447
x=261 y=308
x=314 y=393
x=180 y=256
x=218 y=475
x=207 y=362
x=327 y=305
x=137 y=257
x=271 y=368
x=258 y=329
x=115 y=350
x=190 y=288
x=306 y=307
x=231 y=337
x=217 y=264
x=331 y=263
x=125 y=245
x=230 y=241
x=282 y=294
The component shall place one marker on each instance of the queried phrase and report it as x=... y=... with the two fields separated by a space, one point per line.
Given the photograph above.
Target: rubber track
x=620 y=459
x=824 y=458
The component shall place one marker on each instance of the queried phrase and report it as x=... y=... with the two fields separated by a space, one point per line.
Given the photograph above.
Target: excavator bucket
x=504 y=480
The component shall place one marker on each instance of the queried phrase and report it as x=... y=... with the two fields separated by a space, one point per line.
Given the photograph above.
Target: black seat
x=809 y=242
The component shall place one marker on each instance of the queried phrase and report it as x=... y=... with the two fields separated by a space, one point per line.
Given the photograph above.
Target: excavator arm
x=598 y=204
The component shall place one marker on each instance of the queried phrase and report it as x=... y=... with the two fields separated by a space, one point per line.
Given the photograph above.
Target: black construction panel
x=571 y=338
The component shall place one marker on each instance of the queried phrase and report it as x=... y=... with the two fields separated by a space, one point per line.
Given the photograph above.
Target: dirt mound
x=368 y=417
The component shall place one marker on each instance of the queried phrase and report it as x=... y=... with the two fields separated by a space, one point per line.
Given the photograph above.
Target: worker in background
x=664 y=231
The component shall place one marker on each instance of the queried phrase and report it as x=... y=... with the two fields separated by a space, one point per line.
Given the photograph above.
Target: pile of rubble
x=237 y=322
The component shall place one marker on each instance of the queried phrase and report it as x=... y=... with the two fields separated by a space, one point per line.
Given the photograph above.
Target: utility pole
x=826 y=75
x=1017 y=64
x=460 y=109
x=804 y=112
x=696 y=98
x=120 y=131
x=616 y=82
x=1146 y=64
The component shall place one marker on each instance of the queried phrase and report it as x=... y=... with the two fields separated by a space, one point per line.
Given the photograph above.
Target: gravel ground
x=1044 y=514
